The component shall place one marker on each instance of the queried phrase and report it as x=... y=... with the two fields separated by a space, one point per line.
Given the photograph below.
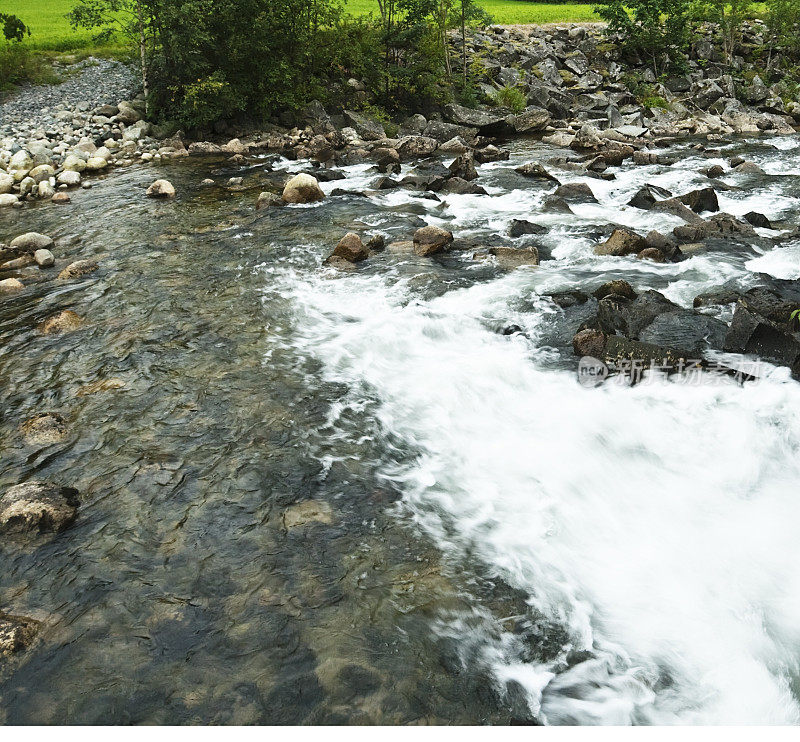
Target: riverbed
x=381 y=496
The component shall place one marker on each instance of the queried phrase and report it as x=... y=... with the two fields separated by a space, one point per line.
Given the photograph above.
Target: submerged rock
x=78 y=268
x=11 y=285
x=37 y=507
x=44 y=429
x=310 y=511
x=16 y=633
x=32 y=241
x=267 y=199
x=512 y=257
x=66 y=321
x=535 y=170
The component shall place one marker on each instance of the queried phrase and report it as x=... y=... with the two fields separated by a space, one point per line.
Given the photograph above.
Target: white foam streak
x=657 y=523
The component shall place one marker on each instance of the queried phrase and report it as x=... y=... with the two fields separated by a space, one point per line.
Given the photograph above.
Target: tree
x=13 y=28
x=730 y=15
x=657 y=30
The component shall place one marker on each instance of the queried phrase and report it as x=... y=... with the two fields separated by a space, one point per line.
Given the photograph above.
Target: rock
x=490 y=153
x=703 y=199
x=302 y=189
x=750 y=168
x=78 y=268
x=647 y=196
x=576 y=193
x=204 y=149
x=757 y=220
x=473 y=118
x=267 y=199
x=512 y=257
x=715 y=171
x=11 y=286
x=20 y=161
x=31 y=241
x=464 y=167
x=45 y=190
x=717 y=225
x=6 y=183
x=66 y=321
x=61 y=198
x=532 y=120
x=431 y=240
x=414 y=147
x=676 y=208
x=95 y=164
x=667 y=246
x=44 y=429
x=376 y=243
x=617 y=287
x=459 y=185
x=535 y=170
x=590 y=343
x=350 y=248
x=717 y=297
x=161 y=189
x=16 y=633
x=8 y=199
x=70 y=178
x=552 y=204
x=621 y=242
x=310 y=511
x=37 y=507
x=74 y=163
x=367 y=128
x=653 y=254
x=42 y=173
x=705 y=92
x=455 y=145
x=520 y=227
x=753 y=332
x=44 y=258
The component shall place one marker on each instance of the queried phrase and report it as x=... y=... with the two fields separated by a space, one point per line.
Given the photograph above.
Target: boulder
x=69 y=178
x=617 y=287
x=368 y=129
x=16 y=633
x=431 y=240
x=95 y=164
x=648 y=195
x=575 y=193
x=161 y=189
x=413 y=147
x=8 y=199
x=621 y=242
x=757 y=220
x=78 y=268
x=61 y=198
x=267 y=199
x=37 y=507
x=44 y=258
x=31 y=241
x=700 y=200
x=75 y=163
x=65 y=321
x=350 y=248
x=512 y=257
x=535 y=170
x=11 y=286
x=529 y=121
x=490 y=153
x=464 y=167
x=6 y=183
x=520 y=227
x=302 y=189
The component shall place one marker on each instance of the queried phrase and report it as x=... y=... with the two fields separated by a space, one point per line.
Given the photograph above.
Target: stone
x=512 y=257
x=431 y=240
x=653 y=254
x=621 y=242
x=535 y=170
x=464 y=167
x=16 y=633
x=490 y=153
x=61 y=198
x=78 y=268
x=42 y=172
x=576 y=192
x=532 y=120
x=44 y=258
x=310 y=511
x=20 y=161
x=31 y=241
x=413 y=147
x=749 y=168
x=520 y=227
x=302 y=189
x=66 y=321
x=95 y=164
x=703 y=199
x=757 y=220
x=37 y=507
x=647 y=196
x=267 y=199
x=69 y=178
x=589 y=343
x=45 y=190
x=6 y=183
x=11 y=286
x=368 y=129
x=44 y=429
x=8 y=199
x=161 y=189
x=350 y=248
x=617 y=287
x=75 y=163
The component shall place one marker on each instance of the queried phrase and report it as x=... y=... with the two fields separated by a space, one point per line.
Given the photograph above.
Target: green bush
x=511 y=98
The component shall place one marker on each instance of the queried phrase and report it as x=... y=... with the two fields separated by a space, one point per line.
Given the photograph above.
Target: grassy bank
x=50 y=30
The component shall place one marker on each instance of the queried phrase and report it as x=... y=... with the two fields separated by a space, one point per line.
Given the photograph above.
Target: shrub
x=511 y=98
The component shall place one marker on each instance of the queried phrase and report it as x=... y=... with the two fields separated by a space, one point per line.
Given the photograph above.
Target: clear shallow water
x=502 y=544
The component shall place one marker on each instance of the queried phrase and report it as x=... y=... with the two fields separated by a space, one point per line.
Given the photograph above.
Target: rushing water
x=495 y=543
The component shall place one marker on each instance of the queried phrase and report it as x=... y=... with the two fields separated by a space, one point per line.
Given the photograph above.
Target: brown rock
x=302 y=189
x=161 y=189
x=16 y=633
x=78 y=268
x=512 y=257
x=589 y=343
x=431 y=240
x=622 y=242
x=66 y=321
x=350 y=248
x=37 y=507
x=617 y=287
x=651 y=253
x=44 y=429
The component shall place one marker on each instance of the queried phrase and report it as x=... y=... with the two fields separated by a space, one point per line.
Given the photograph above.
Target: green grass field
x=51 y=31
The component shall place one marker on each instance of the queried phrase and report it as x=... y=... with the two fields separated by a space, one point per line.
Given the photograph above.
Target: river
x=491 y=542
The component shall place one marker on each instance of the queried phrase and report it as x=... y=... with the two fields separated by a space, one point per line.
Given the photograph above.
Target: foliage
x=510 y=97
x=657 y=30
x=782 y=17
x=730 y=15
x=13 y=28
